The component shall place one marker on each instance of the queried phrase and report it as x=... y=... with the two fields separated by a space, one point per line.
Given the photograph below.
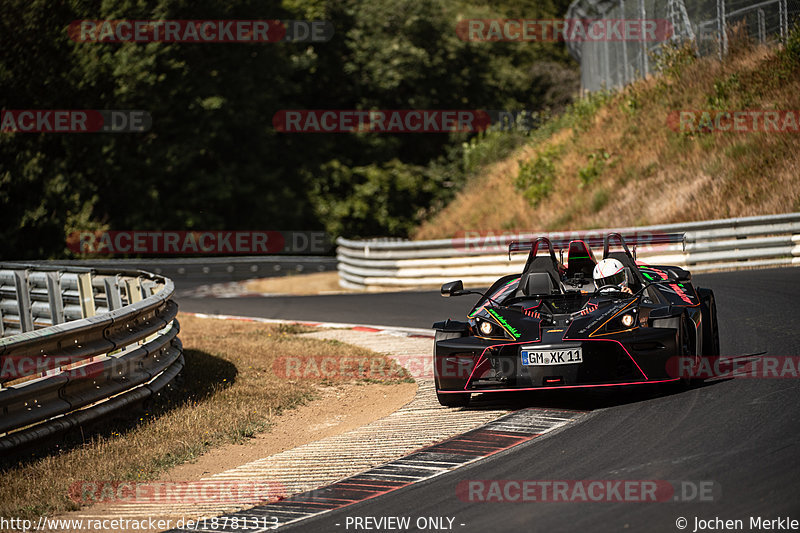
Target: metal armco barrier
x=215 y=269
x=479 y=258
x=78 y=343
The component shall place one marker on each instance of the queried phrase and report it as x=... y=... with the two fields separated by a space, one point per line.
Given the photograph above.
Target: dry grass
x=654 y=175
x=490 y=201
x=228 y=394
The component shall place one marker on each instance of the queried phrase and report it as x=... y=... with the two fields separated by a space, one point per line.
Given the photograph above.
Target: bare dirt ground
x=302 y=284
x=338 y=409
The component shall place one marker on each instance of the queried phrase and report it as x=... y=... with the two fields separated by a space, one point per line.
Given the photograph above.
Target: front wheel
x=708 y=306
x=448 y=400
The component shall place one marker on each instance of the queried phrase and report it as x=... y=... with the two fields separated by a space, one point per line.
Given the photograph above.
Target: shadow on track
x=581 y=399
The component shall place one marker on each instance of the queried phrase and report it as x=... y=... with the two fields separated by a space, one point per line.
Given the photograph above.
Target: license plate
x=549 y=357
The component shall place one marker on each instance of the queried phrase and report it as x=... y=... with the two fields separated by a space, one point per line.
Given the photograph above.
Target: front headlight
x=627 y=319
x=489 y=329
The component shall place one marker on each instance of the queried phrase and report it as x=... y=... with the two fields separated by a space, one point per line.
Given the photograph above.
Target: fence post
x=722 y=29
x=783 y=12
x=625 y=78
x=645 y=61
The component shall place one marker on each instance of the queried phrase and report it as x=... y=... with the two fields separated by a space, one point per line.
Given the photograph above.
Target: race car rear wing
x=633 y=239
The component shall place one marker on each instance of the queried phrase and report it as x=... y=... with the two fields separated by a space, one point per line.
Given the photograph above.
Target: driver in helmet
x=611 y=273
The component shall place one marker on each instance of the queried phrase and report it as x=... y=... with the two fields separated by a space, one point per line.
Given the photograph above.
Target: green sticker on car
x=503 y=322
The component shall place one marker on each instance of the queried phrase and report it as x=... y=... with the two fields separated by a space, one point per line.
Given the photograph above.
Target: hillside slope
x=629 y=163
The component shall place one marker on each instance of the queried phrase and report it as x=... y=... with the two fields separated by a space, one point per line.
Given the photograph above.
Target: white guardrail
x=480 y=258
x=78 y=343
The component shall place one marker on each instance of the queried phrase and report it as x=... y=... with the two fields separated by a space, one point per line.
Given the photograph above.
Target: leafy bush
x=581 y=113
x=671 y=58
x=498 y=142
x=789 y=56
x=373 y=200
x=535 y=178
x=792 y=49
x=723 y=90
x=595 y=166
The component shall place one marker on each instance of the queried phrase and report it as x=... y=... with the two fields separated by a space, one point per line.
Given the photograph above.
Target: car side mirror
x=453 y=288
x=680 y=275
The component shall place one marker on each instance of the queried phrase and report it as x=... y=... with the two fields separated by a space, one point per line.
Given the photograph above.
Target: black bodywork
x=549 y=327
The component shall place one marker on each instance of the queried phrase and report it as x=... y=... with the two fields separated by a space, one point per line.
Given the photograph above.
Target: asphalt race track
x=740 y=435
x=409 y=309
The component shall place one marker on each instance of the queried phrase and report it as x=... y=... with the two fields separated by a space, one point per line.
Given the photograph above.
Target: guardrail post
x=86 y=295
x=133 y=290
x=23 y=300
x=54 y=298
x=148 y=288
x=111 y=286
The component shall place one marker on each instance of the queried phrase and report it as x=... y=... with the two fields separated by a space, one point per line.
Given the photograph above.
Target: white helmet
x=609 y=272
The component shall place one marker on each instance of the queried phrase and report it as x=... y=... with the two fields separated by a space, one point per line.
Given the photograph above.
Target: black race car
x=551 y=328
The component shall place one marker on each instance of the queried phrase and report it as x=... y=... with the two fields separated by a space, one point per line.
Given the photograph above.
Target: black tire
x=448 y=400
x=708 y=305
x=686 y=349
